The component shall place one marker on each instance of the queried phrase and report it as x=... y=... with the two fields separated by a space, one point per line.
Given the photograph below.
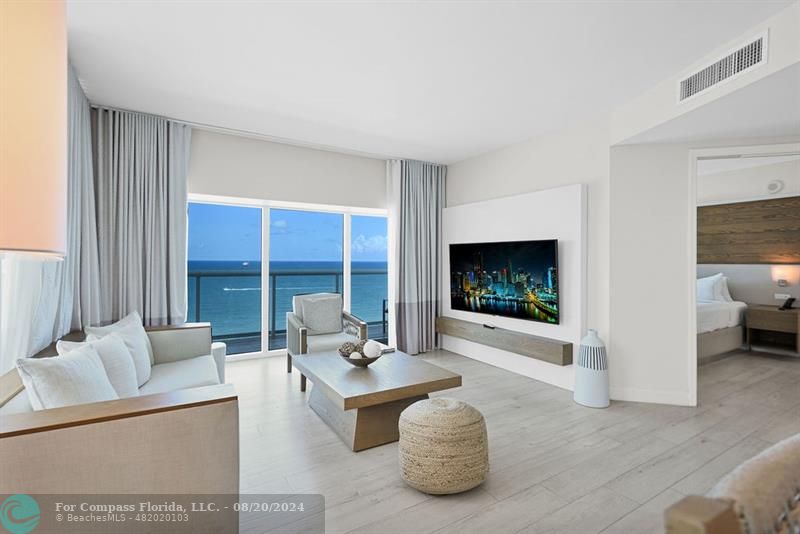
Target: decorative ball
x=356 y=355
x=360 y=345
x=347 y=348
x=372 y=349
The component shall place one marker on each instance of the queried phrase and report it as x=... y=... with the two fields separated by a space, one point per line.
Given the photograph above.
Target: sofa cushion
x=19 y=403
x=117 y=361
x=77 y=377
x=323 y=315
x=329 y=341
x=182 y=374
x=132 y=332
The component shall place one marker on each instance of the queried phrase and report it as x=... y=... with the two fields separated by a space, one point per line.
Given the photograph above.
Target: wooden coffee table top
x=394 y=376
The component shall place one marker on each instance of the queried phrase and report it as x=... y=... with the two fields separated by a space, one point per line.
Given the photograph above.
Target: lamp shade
x=33 y=127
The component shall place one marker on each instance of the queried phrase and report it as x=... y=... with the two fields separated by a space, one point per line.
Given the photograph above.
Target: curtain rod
x=255 y=135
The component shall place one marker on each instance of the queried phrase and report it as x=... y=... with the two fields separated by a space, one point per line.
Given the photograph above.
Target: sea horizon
x=230 y=290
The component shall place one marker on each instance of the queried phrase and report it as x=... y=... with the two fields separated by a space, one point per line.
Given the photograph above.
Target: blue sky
x=218 y=232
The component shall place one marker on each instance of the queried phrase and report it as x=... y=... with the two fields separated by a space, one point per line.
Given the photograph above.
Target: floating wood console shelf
x=541 y=348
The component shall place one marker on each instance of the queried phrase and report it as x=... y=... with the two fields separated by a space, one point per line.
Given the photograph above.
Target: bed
x=720 y=328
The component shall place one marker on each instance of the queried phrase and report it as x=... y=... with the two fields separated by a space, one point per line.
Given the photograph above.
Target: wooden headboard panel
x=762 y=231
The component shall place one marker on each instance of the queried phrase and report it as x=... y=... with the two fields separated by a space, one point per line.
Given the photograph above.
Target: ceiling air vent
x=738 y=61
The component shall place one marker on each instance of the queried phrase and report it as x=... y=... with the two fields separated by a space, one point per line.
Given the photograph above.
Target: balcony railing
x=241 y=338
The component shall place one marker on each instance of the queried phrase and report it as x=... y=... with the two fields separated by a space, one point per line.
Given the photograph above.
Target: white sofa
x=180 y=435
x=184 y=355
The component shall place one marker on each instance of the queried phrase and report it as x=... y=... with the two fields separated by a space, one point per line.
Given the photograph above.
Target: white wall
x=746 y=183
x=651 y=275
x=757 y=284
x=557 y=213
x=579 y=156
x=650 y=254
x=235 y=166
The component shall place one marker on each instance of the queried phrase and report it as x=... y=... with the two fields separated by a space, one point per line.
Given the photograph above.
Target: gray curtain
x=41 y=301
x=140 y=164
x=417 y=197
x=82 y=284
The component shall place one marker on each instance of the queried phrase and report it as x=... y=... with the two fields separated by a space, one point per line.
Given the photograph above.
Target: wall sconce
x=785 y=275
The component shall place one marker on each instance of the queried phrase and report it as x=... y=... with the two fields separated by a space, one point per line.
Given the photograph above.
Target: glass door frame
x=266 y=206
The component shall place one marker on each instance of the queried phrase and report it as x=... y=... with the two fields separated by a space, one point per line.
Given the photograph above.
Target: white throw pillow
x=132 y=333
x=709 y=288
x=323 y=315
x=726 y=293
x=117 y=361
x=74 y=378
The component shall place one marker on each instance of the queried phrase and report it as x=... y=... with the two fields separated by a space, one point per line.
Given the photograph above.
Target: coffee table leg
x=302 y=382
x=361 y=428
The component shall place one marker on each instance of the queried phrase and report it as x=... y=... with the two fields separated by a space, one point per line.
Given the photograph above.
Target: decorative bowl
x=359 y=362
x=348 y=348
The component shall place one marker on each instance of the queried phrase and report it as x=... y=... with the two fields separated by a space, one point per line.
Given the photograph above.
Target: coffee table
x=363 y=404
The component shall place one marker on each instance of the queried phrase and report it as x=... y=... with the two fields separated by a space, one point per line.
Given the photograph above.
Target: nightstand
x=769 y=326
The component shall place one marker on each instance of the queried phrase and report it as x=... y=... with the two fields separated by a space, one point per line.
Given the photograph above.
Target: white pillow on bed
x=726 y=294
x=709 y=288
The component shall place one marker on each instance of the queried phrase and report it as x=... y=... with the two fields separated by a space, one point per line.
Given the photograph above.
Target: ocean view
x=230 y=291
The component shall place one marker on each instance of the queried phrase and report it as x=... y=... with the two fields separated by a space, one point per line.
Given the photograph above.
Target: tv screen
x=512 y=278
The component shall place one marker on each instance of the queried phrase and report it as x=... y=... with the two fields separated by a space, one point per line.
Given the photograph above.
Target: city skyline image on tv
x=511 y=279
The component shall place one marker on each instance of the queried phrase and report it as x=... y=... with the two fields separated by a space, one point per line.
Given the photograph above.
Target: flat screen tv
x=509 y=278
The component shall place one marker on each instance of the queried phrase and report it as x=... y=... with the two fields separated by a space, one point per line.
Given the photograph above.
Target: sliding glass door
x=368 y=268
x=305 y=256
x=305 y=250
x=224 y=273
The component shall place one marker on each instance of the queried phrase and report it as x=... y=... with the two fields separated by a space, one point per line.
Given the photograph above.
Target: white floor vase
x=591 y=373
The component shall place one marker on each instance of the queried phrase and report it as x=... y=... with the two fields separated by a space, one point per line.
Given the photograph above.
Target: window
x=369 y=260
x=224 y=273
x=306 y=253
x=305 y=256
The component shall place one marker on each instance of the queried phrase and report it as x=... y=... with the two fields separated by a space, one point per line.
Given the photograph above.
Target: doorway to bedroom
x=747 y=261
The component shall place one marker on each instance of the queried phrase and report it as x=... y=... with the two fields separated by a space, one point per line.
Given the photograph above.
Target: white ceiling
x=769 y=107
x=437 y=81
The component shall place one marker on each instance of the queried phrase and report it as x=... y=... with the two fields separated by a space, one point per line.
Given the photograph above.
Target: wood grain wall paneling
x=762 y=231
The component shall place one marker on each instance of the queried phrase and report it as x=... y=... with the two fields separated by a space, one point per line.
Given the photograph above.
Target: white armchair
x=323 y=326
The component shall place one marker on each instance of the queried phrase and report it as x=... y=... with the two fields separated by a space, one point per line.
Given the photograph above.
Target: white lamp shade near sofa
x=33 y=128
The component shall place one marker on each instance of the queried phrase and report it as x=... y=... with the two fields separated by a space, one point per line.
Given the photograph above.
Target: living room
x=399 y=267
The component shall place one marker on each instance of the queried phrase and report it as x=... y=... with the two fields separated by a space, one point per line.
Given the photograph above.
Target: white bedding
x=715 y=315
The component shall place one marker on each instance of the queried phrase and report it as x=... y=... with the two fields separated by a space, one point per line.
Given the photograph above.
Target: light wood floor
x=555 y=466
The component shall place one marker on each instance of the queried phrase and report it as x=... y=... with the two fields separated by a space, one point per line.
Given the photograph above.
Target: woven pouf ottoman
x=443 y=446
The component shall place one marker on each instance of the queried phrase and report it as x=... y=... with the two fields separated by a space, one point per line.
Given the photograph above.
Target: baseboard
x=254 y=355
x=654 y=396
x=562 y=377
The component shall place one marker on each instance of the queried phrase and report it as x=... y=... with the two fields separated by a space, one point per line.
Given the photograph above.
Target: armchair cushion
x=323 y=314
x=297 y=302
x=182 y=374
x=329 y=341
